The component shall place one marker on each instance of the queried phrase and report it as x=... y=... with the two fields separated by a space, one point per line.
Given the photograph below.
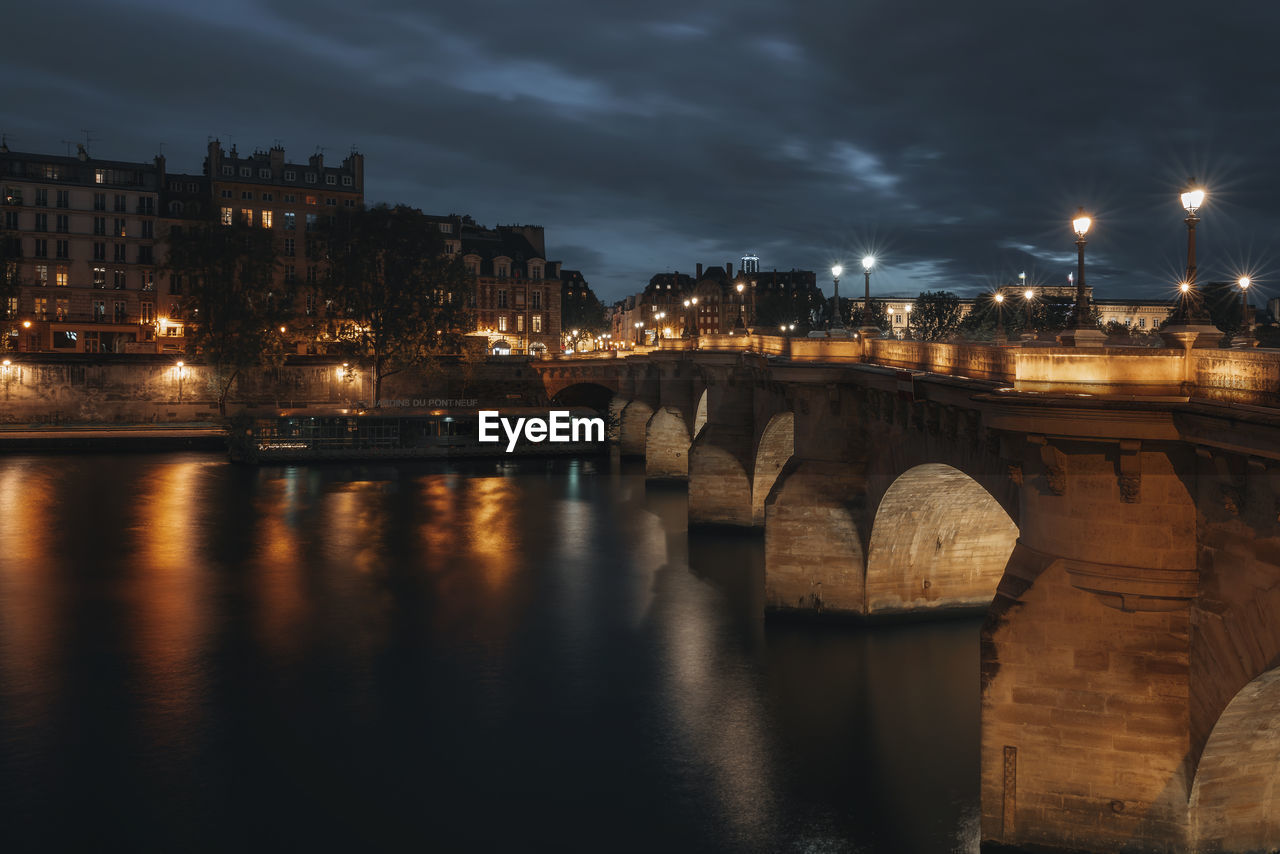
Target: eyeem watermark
x=560 y=427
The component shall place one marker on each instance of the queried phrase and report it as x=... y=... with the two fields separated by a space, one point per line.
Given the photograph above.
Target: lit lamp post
x=742 y=307
x=1245 y=338
x=1000 y=336
x=867 y=330
x=1189 y=324
x=179 y=368
x=686 y=319
x=837 y=323
x=891 y=333
x=1081 y=331
x=907 y=311
x=1028 y=295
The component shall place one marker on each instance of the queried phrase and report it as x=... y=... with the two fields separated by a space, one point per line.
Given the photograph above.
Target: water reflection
x=200 y=656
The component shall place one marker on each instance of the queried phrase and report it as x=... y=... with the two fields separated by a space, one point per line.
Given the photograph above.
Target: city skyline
x=651 y=140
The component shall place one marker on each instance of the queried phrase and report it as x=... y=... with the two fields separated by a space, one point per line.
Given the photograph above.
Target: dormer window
x=331 y=180
x=227 y=170
x=264 y=173
x=346 y=181
x=446 y=227
x=246 y=171
x=290 y=175
x=502 y=271
x=311 y=177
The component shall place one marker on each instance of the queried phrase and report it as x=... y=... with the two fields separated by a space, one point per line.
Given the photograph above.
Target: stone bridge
x=1112 y=510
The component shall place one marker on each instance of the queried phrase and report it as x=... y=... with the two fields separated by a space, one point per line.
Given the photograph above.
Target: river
x=199 y=656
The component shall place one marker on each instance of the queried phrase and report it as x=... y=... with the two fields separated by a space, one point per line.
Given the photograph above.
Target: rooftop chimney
x=699 y=276
x=728 y=268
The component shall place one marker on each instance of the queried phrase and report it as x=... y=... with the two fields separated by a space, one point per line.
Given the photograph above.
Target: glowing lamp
x=740 y=286
x=26 y=324
x=837 y=270
x=1244 y=283
x=1081 y=224
x=1184 y=287
x=868 y=262
x=908 y=309
x=1193 y=198
x=181 y=364
x=694 y=300
x=999 y=298
x=1028 y=293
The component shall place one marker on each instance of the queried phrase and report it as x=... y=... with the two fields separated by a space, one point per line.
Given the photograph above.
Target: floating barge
x=301 y=435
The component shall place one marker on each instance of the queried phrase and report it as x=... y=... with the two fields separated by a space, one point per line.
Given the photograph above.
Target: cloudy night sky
x=955 y=141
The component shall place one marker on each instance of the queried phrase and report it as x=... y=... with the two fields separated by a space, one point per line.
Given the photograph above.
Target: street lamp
x=836 y=322
x=1245 y=338
x=179 y=368
x=890 y=311
x=907 y=310
x=1028 y=295
x=1081 y=332
x=1000 y=336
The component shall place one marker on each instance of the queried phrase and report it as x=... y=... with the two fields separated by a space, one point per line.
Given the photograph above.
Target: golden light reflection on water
x=492 y=537
x=439 y=532
x=278 y=562
x=170 y=592
x=28 y=596
x=355 y=525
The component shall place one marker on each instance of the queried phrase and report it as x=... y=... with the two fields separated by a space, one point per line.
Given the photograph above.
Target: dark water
x=197 y=656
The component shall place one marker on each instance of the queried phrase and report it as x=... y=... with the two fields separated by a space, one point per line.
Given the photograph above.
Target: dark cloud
x=954 y=140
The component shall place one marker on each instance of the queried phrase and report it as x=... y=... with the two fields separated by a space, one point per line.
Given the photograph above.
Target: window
x=62 y=248
x=175 y=285
x=290 y=273
x=99 y=176
x=311 y=177
x=346 y=181
x=145 y=255
x=52 y=172
x=246 y=195
x=119 y=279
x=146 y=311
x=99 y=277
x=99 y=310
x=246 y=171
x=446 y=228
x=227 y=194
x=40 y=306
x=311 y=222
x=519 y=323
x=227 y=170
x=63 y=223
x=267 y=217
x=146 y=205
x=264 y=173
x=42 y=248
x=62 y=309
x=535 y=271
x=1142 y=323
x=502 y=299
x=118 y=311
x=502 y=323
x=42 y=198
x=267 y=197
x=11 y=220
x=290 y=221
x=331 y=180
x=99 y=201
x=149 y=280
x=311 y=304
x=535 y=299
x=290 y=198
x=227 y=214
x=61 y=277
x=13 y=195
x=118 y=252
x=333 y=203
x=100 y=226
x=64 y=198
x=148 y=229
x=290 y=175
x=311 y=275
x=502 y=271
x=289 y=247
x=99 y=251
x=42 y=274
x=537 y=323
x=118 y=228
x=11 y=308
x=312 y=200
x=122 y=204
x=348 y=203
x=42 y=222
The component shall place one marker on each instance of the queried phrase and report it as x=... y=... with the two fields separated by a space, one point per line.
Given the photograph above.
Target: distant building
x=84 y=232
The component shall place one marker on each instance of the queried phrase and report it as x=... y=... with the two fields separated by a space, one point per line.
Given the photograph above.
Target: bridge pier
x=719 y=461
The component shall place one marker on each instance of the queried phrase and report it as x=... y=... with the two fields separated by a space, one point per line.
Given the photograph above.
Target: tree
x=873 y=315
x=580 y=310
x=1223 y=301
x=395 y=298
x=935 y=315
x=232 y=303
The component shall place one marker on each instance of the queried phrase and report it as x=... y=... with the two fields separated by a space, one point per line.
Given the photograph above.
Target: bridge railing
x=1242 y=376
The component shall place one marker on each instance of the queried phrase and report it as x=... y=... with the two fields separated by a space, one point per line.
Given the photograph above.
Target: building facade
x=85 y=235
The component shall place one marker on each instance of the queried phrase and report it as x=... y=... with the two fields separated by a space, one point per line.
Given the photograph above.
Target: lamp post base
x=1191 y=335
x=1082 y=337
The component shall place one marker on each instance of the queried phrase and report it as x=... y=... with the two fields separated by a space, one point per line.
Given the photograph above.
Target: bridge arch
x=938 y=540
x=666 y=454
x=1235 y=797
x=777 y=444
x=592 y=395
x=700 y=416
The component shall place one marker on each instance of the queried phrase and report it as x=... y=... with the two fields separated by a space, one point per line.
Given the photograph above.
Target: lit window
x=537 y=323
x=227 y=215
x=311 y=200
x=290 y=220
x=246 y=214
x=42 y=274
x=502 y=323
x=63 y=278
x=99 y=176
x=266 y=219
